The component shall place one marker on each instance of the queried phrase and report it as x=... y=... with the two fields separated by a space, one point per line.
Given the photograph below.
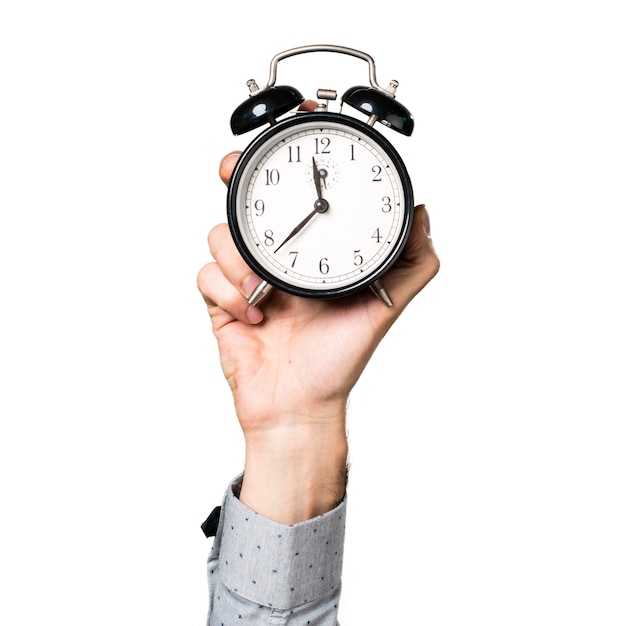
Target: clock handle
x=339 y=49
x=377 y=103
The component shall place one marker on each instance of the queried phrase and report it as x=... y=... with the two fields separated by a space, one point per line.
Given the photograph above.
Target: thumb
x=418 y=264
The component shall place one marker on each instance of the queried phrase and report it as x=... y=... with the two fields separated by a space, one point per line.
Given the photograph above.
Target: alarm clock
x=320 y=203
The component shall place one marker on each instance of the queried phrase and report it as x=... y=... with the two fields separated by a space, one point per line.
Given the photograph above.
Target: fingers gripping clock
x=333 y=239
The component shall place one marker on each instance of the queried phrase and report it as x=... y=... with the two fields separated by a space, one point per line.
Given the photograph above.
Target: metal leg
x=381 y=292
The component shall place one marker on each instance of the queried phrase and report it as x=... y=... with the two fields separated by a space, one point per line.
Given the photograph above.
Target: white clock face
x=320 y=206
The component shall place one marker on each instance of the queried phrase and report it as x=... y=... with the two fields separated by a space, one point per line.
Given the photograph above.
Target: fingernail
x=308 y=105
x=231 y=158
x=250 y=284
x=254 y=315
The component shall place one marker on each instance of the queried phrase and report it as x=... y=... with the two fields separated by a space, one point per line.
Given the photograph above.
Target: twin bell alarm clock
x=320 y=204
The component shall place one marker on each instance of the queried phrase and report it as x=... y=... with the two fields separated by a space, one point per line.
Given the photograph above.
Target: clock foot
x=259 y=292
x=381 y=292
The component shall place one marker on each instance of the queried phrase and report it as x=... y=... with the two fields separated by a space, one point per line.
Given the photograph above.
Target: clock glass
x=320 y=205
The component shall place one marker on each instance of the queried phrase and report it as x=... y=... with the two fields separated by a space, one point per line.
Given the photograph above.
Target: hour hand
x=317 y=179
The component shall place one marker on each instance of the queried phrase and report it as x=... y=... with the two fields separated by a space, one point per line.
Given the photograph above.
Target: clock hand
x=317 y=179
x=320 y=206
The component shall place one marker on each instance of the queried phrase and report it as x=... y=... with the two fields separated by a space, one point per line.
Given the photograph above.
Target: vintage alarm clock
x=320 y=204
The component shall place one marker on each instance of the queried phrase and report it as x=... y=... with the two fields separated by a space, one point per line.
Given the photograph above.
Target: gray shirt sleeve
x=260 y=571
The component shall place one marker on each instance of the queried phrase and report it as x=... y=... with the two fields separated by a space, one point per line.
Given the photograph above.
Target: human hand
x=313 y=350
x=292 y=364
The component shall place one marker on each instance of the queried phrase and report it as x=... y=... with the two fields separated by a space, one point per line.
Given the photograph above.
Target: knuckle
x=203 y=279
x=433 y=263
x=216 y=237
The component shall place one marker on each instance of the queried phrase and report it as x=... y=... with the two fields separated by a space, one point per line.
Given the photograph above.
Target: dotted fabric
x=276 y=567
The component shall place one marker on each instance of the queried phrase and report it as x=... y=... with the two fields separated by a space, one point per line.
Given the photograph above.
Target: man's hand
x=292 y=364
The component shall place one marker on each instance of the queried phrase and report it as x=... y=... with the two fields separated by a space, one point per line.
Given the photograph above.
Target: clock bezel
x=250 y=153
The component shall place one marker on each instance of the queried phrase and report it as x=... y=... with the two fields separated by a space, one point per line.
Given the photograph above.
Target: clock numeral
x=358 y=259
x=294 y=256
x=259 y=207
x=294 y=154
x=269 y=238
x=324 y=267
x=386 y=204
x=272 y=177
x=352 y=152
x=377 y=169
x=376 y=236
x=322 y=145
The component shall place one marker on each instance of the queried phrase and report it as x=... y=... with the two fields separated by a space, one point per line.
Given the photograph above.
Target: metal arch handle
x=339 y=49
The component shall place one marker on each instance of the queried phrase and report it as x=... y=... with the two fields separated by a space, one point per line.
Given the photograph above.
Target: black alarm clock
x=320 y=204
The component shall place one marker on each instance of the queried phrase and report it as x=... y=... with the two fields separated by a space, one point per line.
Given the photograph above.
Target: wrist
x=294 y=473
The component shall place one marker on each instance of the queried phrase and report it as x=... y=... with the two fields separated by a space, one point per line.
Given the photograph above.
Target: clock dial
x=320 y=205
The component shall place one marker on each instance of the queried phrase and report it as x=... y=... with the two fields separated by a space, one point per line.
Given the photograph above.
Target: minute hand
x=320 y=206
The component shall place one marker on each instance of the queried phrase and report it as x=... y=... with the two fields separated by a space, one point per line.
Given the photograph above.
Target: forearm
x=295 y=473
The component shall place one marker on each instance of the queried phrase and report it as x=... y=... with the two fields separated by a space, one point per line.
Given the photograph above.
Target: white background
x=490 y=422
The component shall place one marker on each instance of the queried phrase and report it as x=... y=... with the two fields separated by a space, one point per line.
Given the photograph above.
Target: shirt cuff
x=280 y=565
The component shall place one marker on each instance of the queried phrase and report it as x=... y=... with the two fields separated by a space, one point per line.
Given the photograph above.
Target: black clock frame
x=320 y=118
